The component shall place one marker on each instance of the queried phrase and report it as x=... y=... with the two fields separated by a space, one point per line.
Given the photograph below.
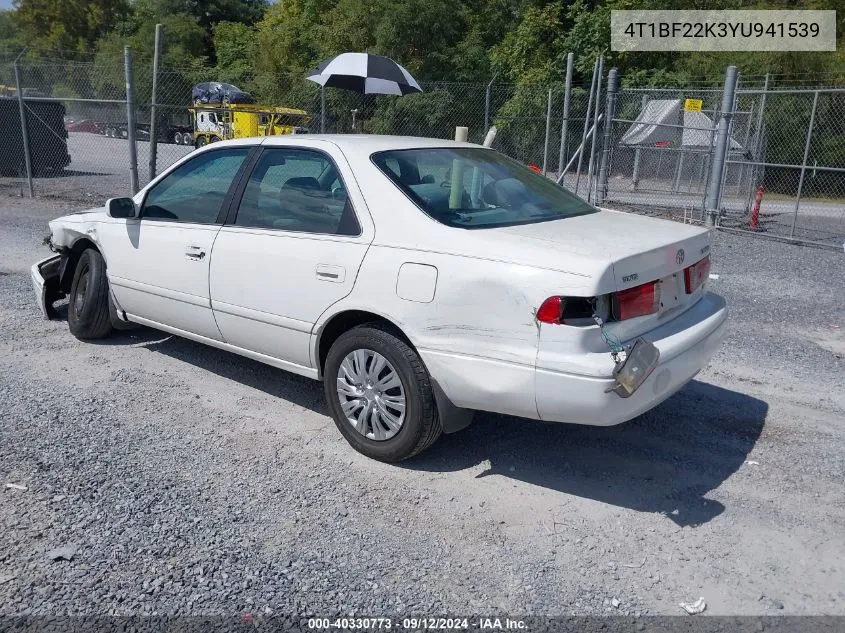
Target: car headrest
x=508 y=192
x=301 y=182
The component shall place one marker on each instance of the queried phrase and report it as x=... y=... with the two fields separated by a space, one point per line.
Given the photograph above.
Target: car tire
x=420 y=425
x=201 y=141
x=177 y=138
x=187 y=138
x=88 y=308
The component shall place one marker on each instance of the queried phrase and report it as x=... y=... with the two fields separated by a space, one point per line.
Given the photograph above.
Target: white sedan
x=419 y=279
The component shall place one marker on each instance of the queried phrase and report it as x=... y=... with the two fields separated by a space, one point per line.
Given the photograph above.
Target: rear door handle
x=194 y=252
x=327 y=272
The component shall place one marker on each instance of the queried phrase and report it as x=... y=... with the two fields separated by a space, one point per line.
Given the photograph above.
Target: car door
x=292 y=249
x=158 y=263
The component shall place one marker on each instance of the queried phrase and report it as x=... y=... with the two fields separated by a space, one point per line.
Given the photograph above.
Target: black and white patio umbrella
x=364 y=73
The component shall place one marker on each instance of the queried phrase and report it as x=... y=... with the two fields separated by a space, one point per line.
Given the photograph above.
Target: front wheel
x=88 y=310
x=202 y=141
x=380 y=396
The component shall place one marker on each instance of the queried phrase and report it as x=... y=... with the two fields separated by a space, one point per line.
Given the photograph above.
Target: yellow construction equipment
x=242 y=120
x=222 y=111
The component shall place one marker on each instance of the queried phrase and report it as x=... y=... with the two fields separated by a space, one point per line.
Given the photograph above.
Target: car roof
x=366 y=142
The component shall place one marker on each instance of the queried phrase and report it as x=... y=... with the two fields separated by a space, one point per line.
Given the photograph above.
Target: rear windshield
x=475 y=188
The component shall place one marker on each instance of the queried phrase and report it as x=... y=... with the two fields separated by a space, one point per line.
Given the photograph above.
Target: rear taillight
x=637 y=301
x=577 y=311
x=551 y=311
x=695 y=275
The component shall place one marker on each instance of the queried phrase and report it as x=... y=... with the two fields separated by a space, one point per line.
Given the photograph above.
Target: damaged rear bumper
x=45 y=284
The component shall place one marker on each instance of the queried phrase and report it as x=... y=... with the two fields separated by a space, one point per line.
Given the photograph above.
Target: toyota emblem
x=680 y=256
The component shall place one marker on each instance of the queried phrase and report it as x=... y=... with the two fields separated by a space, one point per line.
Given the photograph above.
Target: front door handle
x=194 y=253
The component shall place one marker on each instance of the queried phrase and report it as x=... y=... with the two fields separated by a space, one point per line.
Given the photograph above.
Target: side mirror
x=121 y=208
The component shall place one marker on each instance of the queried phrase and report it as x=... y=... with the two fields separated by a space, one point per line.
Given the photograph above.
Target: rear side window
x=194 y=192
x=297 y=190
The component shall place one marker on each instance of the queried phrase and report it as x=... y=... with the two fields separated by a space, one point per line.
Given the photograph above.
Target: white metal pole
x=714 y=190
x=130 y=118
x=586 y=125
x=24 y=128
x=153 y=98
x=548 y=132
x=804 y=161
x=596 y=115
x=567 y=95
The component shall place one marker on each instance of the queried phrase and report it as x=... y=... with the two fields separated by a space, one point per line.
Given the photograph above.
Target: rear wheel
x=379 y=394
x=88 y=310
x=177 y=138
x=202 y=141
x=187 y=138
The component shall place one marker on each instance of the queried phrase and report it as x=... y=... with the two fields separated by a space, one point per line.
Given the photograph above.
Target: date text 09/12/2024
x=417 y=624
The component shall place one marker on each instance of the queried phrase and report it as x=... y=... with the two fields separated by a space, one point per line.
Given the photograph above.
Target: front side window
x=297 y=190
x=475 y=188
x=195 y=191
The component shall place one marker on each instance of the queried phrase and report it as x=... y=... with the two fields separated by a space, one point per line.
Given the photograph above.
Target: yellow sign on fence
x=693 y=105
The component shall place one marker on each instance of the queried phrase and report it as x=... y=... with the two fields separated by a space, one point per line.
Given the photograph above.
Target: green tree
x=289 y=37
x=528 y=53
x=485 y=22
x=235 y=48
x=183 y=62
x=423 y=37
x=65 y=25
x=10 y=39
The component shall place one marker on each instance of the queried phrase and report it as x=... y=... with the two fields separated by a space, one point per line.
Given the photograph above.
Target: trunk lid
x=637 y=248
x=621 y=251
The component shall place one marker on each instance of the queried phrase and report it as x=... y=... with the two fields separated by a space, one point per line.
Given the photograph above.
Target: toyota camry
x=420 y=280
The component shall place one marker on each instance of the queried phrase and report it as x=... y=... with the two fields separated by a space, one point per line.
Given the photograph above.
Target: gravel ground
x=179 y=479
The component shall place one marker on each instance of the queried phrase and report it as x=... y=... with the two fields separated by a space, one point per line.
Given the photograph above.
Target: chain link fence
x=69 y=107
x=662 y=145
x=801 y=162
x=647 y=150
x=783 y=175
